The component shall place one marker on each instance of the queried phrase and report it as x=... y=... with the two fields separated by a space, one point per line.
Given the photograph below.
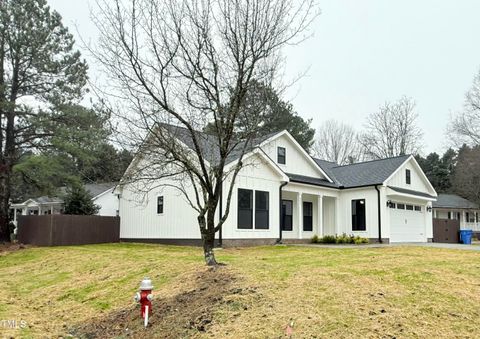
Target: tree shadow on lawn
x=183 y=314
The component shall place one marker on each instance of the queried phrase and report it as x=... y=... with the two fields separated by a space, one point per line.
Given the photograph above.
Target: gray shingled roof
x=366 y=173
x=310 y=180
x=96 y=189
x=208 y=142
x=453 y=201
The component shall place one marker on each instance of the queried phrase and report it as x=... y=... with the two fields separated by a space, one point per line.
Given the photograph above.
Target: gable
x=418 y=180
x=296 y=161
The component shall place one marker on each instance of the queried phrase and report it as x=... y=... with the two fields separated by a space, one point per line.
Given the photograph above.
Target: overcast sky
x=366 y=52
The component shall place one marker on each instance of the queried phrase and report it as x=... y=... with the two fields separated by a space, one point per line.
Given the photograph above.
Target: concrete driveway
x=473 y=247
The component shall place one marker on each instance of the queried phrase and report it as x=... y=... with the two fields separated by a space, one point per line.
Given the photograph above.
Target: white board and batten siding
x=140 y=220
x=405 y=225
x=371 y=211
x=296 y=161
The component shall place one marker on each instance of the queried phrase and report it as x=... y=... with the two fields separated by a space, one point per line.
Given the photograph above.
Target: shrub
x=328 y=239
x=339 y=239
x=359 y=240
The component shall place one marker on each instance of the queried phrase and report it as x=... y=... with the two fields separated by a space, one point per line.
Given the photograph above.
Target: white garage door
x=407 y=223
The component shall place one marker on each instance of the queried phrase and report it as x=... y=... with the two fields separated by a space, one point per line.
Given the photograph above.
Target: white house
x=102 y=195
x=283 y=194
x=454 y=207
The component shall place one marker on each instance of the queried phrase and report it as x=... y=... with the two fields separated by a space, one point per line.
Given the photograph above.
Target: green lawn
x=324 y=292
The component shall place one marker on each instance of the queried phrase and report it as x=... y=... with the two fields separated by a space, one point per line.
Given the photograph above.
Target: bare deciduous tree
x=392 y=131
x=189 y=63
x=465 y=126
x=337 y=142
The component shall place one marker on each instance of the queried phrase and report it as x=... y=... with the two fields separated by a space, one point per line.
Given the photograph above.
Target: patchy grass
x=326 y=292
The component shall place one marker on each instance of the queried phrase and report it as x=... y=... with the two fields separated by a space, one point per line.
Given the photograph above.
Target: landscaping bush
x=328 y=239
x=339 y=239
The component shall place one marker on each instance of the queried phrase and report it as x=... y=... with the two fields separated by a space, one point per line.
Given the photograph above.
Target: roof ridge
x=369 y=161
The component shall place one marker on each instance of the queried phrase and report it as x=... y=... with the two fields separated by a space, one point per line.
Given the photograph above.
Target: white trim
x=299 y=147
x=419 y=169
x=412 y=196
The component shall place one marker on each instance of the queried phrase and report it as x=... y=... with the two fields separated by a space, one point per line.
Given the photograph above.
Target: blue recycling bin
x=466 y=237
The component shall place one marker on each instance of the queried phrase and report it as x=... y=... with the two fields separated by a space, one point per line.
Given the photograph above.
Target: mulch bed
x=178 y=316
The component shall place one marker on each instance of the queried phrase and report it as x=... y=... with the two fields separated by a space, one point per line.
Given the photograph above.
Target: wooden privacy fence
x=63 y=229
x=446 y=230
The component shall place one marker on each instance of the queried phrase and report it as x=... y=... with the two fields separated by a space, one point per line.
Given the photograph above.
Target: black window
x=418 y=208
x=458 y=215
x=401 y=206
x=261 y=210
x=409 y=207
x=245 y=209
x=476 y=216
x=160 y=205
x=358 y=215
x=407 y=176
x=449 y=215
x=287 y=209
x=281 y=155
x=392 y=205
x=307 y=216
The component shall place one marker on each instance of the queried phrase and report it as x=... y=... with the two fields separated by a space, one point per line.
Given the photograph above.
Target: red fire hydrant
x=144 y=297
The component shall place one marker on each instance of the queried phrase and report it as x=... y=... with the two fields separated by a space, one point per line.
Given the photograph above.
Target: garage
x=407 y=222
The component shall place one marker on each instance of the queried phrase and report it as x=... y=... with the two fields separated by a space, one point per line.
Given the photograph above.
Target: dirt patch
x=9 y=247
x=184 y=314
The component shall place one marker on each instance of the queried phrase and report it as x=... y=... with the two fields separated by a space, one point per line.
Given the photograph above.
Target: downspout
x=220 y=209
x=282 y=185
x=379 y=216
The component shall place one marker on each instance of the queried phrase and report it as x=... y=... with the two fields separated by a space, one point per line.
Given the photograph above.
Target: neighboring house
x=452 y=206
x=102 y=195
x=282 y=193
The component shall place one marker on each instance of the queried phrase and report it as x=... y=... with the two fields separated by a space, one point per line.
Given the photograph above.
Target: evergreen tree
x=37 y=61
x=265 y=112
x=79 y=202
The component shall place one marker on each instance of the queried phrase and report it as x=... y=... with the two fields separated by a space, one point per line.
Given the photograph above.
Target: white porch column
x=464 y=220
x=337 y=215
x=51 y=209
x=320 y=215
x=300 y=215
x=39 y=210
x=15 y=214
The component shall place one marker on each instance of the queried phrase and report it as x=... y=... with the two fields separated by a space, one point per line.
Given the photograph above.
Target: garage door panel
x=407 y=225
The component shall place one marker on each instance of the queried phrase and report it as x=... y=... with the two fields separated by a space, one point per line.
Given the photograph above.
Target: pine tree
x=79 y=202
x=37 y=61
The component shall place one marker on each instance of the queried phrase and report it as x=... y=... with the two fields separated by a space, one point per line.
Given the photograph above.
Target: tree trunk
x=207 y=229
x=4 y=203
x=208 y=245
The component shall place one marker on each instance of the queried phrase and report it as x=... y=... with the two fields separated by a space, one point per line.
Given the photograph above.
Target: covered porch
x=307 y=211
x=36 y=207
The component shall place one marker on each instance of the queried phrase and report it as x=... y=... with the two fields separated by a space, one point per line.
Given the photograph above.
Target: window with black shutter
x=261 y=210
x=245 y=209
x=307 y=216
x=287 y=212
x=358 y=215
